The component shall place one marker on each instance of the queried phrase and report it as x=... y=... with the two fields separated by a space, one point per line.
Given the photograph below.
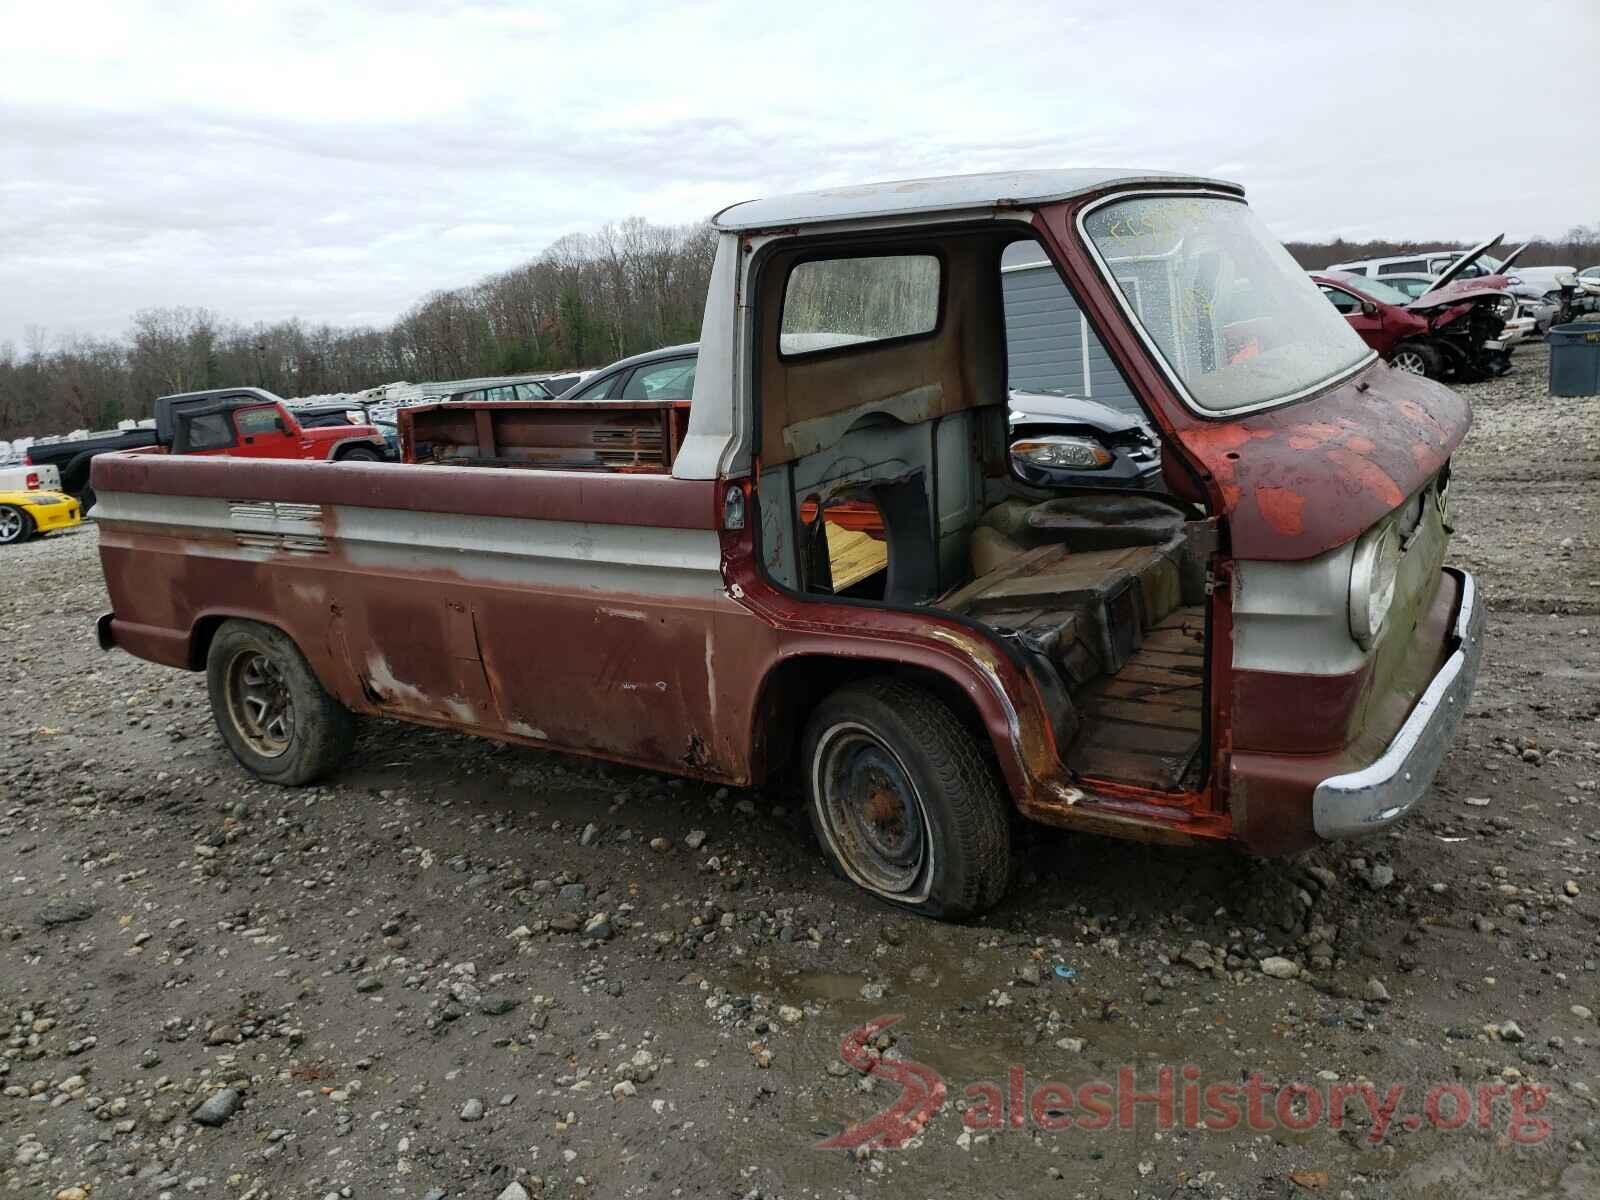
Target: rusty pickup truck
x=1270 y=651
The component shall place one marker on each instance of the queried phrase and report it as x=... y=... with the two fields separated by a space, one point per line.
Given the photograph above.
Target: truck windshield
x=1238 y=323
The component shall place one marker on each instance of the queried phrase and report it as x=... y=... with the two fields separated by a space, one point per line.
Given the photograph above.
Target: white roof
x=950 y=193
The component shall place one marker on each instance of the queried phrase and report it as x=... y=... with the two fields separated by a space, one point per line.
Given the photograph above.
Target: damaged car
x=1457 y=329
x=1062 y=440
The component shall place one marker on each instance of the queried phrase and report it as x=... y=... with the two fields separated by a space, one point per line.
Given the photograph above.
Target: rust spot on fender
x=695 y=757
x=1280 y=508
x=1368 y=475
x=1324 y=470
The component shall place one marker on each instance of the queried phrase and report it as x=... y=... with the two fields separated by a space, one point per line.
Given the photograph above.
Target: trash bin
x=1575 y=359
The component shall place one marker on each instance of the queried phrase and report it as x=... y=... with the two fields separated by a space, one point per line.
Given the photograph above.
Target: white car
x=1424 y=262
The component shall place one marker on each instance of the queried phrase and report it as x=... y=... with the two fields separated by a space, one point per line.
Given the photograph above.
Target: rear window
x=673 y=380
x=833 y=302
x=209 y=431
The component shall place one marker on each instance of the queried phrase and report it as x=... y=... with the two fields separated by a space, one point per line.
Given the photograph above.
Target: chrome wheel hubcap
x=1409 y=362
x=10 y=526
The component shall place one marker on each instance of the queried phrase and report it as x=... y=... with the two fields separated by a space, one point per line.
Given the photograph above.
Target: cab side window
x=253 y=421
x=1343 y=301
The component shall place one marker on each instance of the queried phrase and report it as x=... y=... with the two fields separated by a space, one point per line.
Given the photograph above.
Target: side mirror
x=1368 y=307
x=280 y=426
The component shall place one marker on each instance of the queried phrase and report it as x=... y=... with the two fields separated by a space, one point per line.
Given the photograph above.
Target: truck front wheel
x=904 y=803
x=271 y=709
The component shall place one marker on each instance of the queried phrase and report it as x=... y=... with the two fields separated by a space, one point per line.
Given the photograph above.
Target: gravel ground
x=470 y=970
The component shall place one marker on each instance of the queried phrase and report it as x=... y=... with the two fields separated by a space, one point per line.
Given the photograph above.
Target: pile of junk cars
x=1452 y=315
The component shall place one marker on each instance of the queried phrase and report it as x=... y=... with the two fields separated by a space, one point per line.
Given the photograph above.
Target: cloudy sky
x=338 y=161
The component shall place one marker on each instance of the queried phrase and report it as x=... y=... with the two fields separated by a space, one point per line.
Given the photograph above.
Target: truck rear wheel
x=904 y=803
x=271 y=708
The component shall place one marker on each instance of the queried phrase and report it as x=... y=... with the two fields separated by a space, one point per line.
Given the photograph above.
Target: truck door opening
x=882 y=402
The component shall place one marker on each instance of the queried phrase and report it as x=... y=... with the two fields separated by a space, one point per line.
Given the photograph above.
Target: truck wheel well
x=200 y=640
x=797 y=685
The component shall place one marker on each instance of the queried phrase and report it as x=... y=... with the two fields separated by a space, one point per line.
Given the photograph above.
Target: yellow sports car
x=23 y=514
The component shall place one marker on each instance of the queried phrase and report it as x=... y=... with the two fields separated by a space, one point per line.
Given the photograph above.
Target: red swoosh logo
x=922 y=1092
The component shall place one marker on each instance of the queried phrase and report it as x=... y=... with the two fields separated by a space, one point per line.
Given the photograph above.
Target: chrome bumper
x=1379 y=794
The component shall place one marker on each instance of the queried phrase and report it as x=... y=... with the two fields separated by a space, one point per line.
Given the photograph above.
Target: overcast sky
x=338 y=161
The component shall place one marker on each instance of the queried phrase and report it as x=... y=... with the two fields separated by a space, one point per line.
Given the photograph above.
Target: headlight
x=1062 y=450
x=1373 y=570
x=1507 y=308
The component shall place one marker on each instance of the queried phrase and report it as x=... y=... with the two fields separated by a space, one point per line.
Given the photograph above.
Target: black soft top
x=215 y=400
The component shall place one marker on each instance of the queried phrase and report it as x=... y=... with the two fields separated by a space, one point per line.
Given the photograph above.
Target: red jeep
x=247 y=422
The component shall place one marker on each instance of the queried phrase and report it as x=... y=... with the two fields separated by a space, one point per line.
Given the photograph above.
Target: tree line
x=588 y=299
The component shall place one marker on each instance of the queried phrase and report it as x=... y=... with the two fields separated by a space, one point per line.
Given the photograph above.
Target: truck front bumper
x=1364 y=801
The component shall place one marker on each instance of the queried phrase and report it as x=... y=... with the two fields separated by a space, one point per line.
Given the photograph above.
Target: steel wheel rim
x=10 y=525
x=871 y=814
x=259 y=703
x=1410 y=362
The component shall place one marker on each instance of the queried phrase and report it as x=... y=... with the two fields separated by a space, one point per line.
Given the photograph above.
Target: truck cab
x=1269 y=653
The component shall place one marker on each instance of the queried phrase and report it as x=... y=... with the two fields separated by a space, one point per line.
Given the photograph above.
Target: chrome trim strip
x=1160 y=359
x=1379 y=794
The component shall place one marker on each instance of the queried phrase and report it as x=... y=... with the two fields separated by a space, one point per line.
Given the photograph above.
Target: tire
x=360 y=454
x=75 y=475
x=86 y=499
x=1416 y=358
x=271 y=709
x=903 y=802
x=16 y=526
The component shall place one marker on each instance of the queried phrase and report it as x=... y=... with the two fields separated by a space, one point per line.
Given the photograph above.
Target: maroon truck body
x=628 y=582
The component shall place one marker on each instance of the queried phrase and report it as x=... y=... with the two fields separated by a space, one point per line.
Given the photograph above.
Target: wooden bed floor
x=1143 y=724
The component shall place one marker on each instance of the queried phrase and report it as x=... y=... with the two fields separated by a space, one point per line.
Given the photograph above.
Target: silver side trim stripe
x=515 y=551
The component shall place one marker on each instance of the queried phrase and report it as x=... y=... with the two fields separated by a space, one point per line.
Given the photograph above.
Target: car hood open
x=1461 y=291
x=1453 y=272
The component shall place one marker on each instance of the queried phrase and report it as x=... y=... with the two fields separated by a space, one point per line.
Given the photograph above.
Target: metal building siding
x=1049 y=345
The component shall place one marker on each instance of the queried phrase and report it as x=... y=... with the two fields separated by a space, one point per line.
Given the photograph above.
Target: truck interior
x=881 y=385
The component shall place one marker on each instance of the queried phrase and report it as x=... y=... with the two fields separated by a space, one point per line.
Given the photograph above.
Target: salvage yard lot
x=462 y=966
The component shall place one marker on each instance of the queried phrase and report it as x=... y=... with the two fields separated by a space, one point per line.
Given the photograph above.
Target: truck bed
x=632 y=436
